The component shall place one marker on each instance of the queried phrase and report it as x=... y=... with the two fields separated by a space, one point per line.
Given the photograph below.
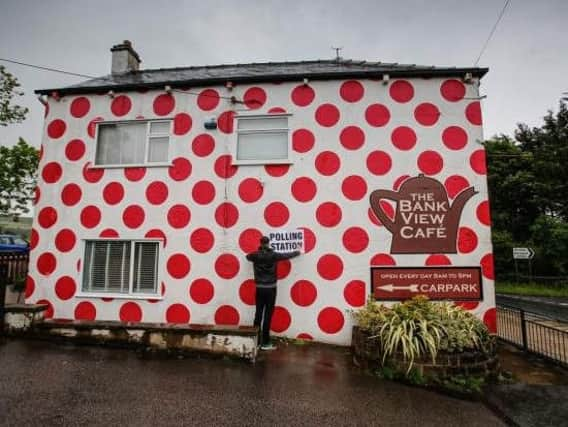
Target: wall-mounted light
x=306 y=81
x=42 y=99
x=468 y=78
x=110 y=93
x=229 y=86
x=386 y=79
x=168 y=89
x=210 y=123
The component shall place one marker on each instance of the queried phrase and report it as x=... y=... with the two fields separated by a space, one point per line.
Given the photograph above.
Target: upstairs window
x=262 y=139
x=133 y=143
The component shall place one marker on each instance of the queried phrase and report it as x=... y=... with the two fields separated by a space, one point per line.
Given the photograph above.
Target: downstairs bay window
x=121 y=267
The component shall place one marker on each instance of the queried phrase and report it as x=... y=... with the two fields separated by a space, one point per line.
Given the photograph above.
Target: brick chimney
x=124 y=58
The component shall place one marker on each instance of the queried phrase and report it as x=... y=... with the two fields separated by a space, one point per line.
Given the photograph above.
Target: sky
x=526 y=56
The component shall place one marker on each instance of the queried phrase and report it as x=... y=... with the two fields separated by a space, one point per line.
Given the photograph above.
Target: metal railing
x=13 y=265
x=534 y=333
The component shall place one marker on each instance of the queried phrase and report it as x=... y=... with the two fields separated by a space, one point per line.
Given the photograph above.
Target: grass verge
x=532 y=289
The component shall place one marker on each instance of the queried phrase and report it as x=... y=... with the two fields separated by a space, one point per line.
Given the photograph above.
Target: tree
x=18 y=167
x=9 y=85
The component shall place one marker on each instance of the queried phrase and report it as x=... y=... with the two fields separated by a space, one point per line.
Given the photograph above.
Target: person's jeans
x=265 y=300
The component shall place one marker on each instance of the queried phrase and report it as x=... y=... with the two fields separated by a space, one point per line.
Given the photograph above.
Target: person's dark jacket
x=264 y=263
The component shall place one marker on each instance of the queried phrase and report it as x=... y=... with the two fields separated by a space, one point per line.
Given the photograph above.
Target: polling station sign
x=287 y=240
x=437 y=283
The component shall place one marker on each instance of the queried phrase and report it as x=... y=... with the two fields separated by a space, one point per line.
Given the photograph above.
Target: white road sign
x=523 y=253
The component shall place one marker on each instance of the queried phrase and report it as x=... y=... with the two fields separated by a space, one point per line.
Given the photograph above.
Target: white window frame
x=286 y=161
x=130 y=295
x=146 y=163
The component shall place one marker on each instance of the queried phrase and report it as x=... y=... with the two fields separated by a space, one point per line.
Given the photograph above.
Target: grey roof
x=259 y=72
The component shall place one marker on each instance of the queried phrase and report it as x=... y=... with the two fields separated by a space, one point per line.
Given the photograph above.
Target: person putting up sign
x=264 y=264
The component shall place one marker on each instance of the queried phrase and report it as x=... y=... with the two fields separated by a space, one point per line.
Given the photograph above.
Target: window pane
x=263 y=123
x=121 y=143
x=107 y=266
x=160 y=127
x=158 y=151
x=145 y=267
x=262 y=146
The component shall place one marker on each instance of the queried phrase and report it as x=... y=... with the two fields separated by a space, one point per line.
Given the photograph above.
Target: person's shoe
x=268 y=347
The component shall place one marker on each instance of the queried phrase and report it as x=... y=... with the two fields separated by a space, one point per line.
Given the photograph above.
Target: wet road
x=48 y=384
x=554 y=308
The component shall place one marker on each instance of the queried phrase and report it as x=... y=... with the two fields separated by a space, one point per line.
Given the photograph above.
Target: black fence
x=534 y=333
x=13 y=267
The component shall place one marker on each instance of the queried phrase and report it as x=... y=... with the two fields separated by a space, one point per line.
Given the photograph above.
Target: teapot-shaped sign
x=424 y=221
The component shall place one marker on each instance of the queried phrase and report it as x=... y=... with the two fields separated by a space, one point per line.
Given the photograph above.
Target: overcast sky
x=527 y=57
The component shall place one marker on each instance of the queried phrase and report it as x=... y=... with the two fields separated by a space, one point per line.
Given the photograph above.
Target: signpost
x=523 y=253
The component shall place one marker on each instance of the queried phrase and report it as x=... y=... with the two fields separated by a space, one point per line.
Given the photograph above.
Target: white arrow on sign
x=391 y=288
x=523 y=253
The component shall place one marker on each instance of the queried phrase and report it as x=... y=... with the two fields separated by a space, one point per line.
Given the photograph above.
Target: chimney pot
x=124 y=58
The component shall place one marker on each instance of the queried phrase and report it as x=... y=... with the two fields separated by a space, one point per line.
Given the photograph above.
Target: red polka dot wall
x=200 y=209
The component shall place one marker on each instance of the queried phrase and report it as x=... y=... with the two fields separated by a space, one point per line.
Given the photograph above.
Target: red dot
x=164 y=104
x=426 y=114
x=430 y=162
x=354 y=187
x=304 y=189
x=56 y=129
x=455 y=184
x=327 y=115
x=327 y=163
x=178 y=266
x=309 y=239
x=121 y=105
x=379 y=163
x=254 y=98
x=48 y=313
x=354 y=293
x=352 y=137
x=37 y=195
x=227 y=266
x=224 y=167
x=454 y=137
x=467 y=305
x=487 y=266
x=477 y=162
x=330 y=267
x=399 y=181
x=467 y=240
x=452 y=90
x=203 y=145
x=109 y=232
x=437 y=259
x=85 y=311
x=401 y=91
x=30 y=287
x=355 y=239
x=92 y=175
x=304 y=336
x=250 y=190
x=46 y=263
x=208 y=99
x=303 y=293
x=281 y=320
x=182 y=123
x=92 y=126
x=249 y=240
x=377 y=115
x=113 y=193
x=51 y=172
x=177 y=313
x=71 y=194
x=328 y=214
x=201 y=291
x=283 y=269
x=34 y=239
x=302 y=95
x=178 y=216
x=276 y=170
x=134 y=174
x=47 y=217
x=330 y=320
x=202 y=240
x=74 y=150
x=276 y=214
x=387 y=209
x=203 y=192
x=180 y=169
x=130 y=312
x=483 y=213
x=90 y=216
x=490 y=320
x=247 y=292
x=80 y=107
x=156 y=192
x=227 y=315
x=351 y=91
x=65 y=287
x=403 y=138
x=473 y=113
x=382 y=259
x=226 y=215
x=65 y=240
x=225 y=121
x=302 y=140
x=133 y=216
x=276 y=110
